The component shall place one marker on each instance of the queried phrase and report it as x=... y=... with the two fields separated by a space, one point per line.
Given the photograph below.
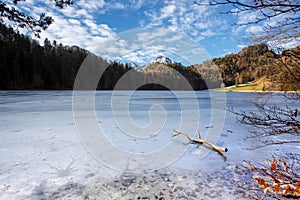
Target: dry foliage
x=277 y=178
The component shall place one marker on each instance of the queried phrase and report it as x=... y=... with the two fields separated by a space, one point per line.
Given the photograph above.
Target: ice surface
x=42 y=155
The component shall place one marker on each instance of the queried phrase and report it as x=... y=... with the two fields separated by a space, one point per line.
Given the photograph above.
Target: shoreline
x=253 y=88
x=261 y=91
x=228 y=89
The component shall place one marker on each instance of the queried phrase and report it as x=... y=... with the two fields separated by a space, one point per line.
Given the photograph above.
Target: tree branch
x=22 y=20
x=200 y=141
x=286 y=12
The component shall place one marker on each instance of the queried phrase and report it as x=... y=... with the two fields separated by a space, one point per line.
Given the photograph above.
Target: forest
x=280 y=71
x=25 y=64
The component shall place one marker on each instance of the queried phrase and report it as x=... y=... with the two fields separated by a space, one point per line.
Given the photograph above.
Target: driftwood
x=200 y=141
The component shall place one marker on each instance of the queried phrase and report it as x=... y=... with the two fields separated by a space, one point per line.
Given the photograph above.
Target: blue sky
x=90 y=23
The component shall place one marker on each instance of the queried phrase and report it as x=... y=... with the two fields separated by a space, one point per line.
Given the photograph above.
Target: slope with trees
x=279 y=71
x=25 y=64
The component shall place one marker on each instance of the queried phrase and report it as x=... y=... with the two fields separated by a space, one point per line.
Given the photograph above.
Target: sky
x=90 y=24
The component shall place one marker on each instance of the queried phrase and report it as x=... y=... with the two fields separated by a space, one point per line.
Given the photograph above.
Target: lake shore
x=252 y=88
x=261 y=91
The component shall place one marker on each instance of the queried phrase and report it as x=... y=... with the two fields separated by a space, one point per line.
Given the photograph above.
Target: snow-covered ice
x=43 y=156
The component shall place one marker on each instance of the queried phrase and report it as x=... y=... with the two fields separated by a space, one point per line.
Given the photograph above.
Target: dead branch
x=200 y=141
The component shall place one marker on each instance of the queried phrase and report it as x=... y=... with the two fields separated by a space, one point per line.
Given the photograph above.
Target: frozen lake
x=56 y=145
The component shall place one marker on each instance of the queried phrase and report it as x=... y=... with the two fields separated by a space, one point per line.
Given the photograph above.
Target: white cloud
x=174 y=38
x=137 y=4
x=142 y=45
x=149 y=36
x=275 y=45
x=247 y=17
x=259 y=27
x=90 y=23
x=201 y=25
x=73 y=25
x=73 y=12
x=74 y=21
x=168 y=11
x=92 y=6
x=208 y=33
x=78 y=25
x=255 y=30
x=115 y=5
x=194 y=20
x=241 y=46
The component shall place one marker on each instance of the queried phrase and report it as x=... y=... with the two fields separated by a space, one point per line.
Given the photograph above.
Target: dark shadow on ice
x=46 y=191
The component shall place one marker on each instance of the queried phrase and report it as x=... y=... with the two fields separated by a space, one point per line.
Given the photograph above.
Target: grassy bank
x=260 y=85
x=246 y=88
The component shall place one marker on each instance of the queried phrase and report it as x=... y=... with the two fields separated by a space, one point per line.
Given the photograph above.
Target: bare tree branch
x=286 y=13
x=271 y=121
x=200 y=141
x=9 y=11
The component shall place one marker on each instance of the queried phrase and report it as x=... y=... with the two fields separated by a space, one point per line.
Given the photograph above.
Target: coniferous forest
x=25 y=64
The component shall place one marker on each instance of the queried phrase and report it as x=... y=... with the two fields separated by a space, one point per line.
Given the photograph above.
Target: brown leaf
x=286 y=166
x=287 y=169
x=297 y=192
x=287 y=189
x=273 y=165
x=276 y=188
x=261 y=182
x=266 y=191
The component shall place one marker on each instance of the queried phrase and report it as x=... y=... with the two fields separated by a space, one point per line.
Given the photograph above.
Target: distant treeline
x=25 y=64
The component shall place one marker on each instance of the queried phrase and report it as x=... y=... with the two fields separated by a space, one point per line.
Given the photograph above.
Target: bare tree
x=280 y=19
x=9 y=11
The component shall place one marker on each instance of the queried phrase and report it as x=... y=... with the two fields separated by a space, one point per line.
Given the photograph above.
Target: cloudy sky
x=91 y=23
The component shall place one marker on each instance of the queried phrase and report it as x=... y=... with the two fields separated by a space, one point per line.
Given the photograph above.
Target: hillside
x=25 y=64
x=175 y=75
x=269 y=71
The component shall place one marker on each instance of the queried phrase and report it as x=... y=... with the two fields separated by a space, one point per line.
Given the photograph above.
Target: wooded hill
x=25 y=64
x=257 y=62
